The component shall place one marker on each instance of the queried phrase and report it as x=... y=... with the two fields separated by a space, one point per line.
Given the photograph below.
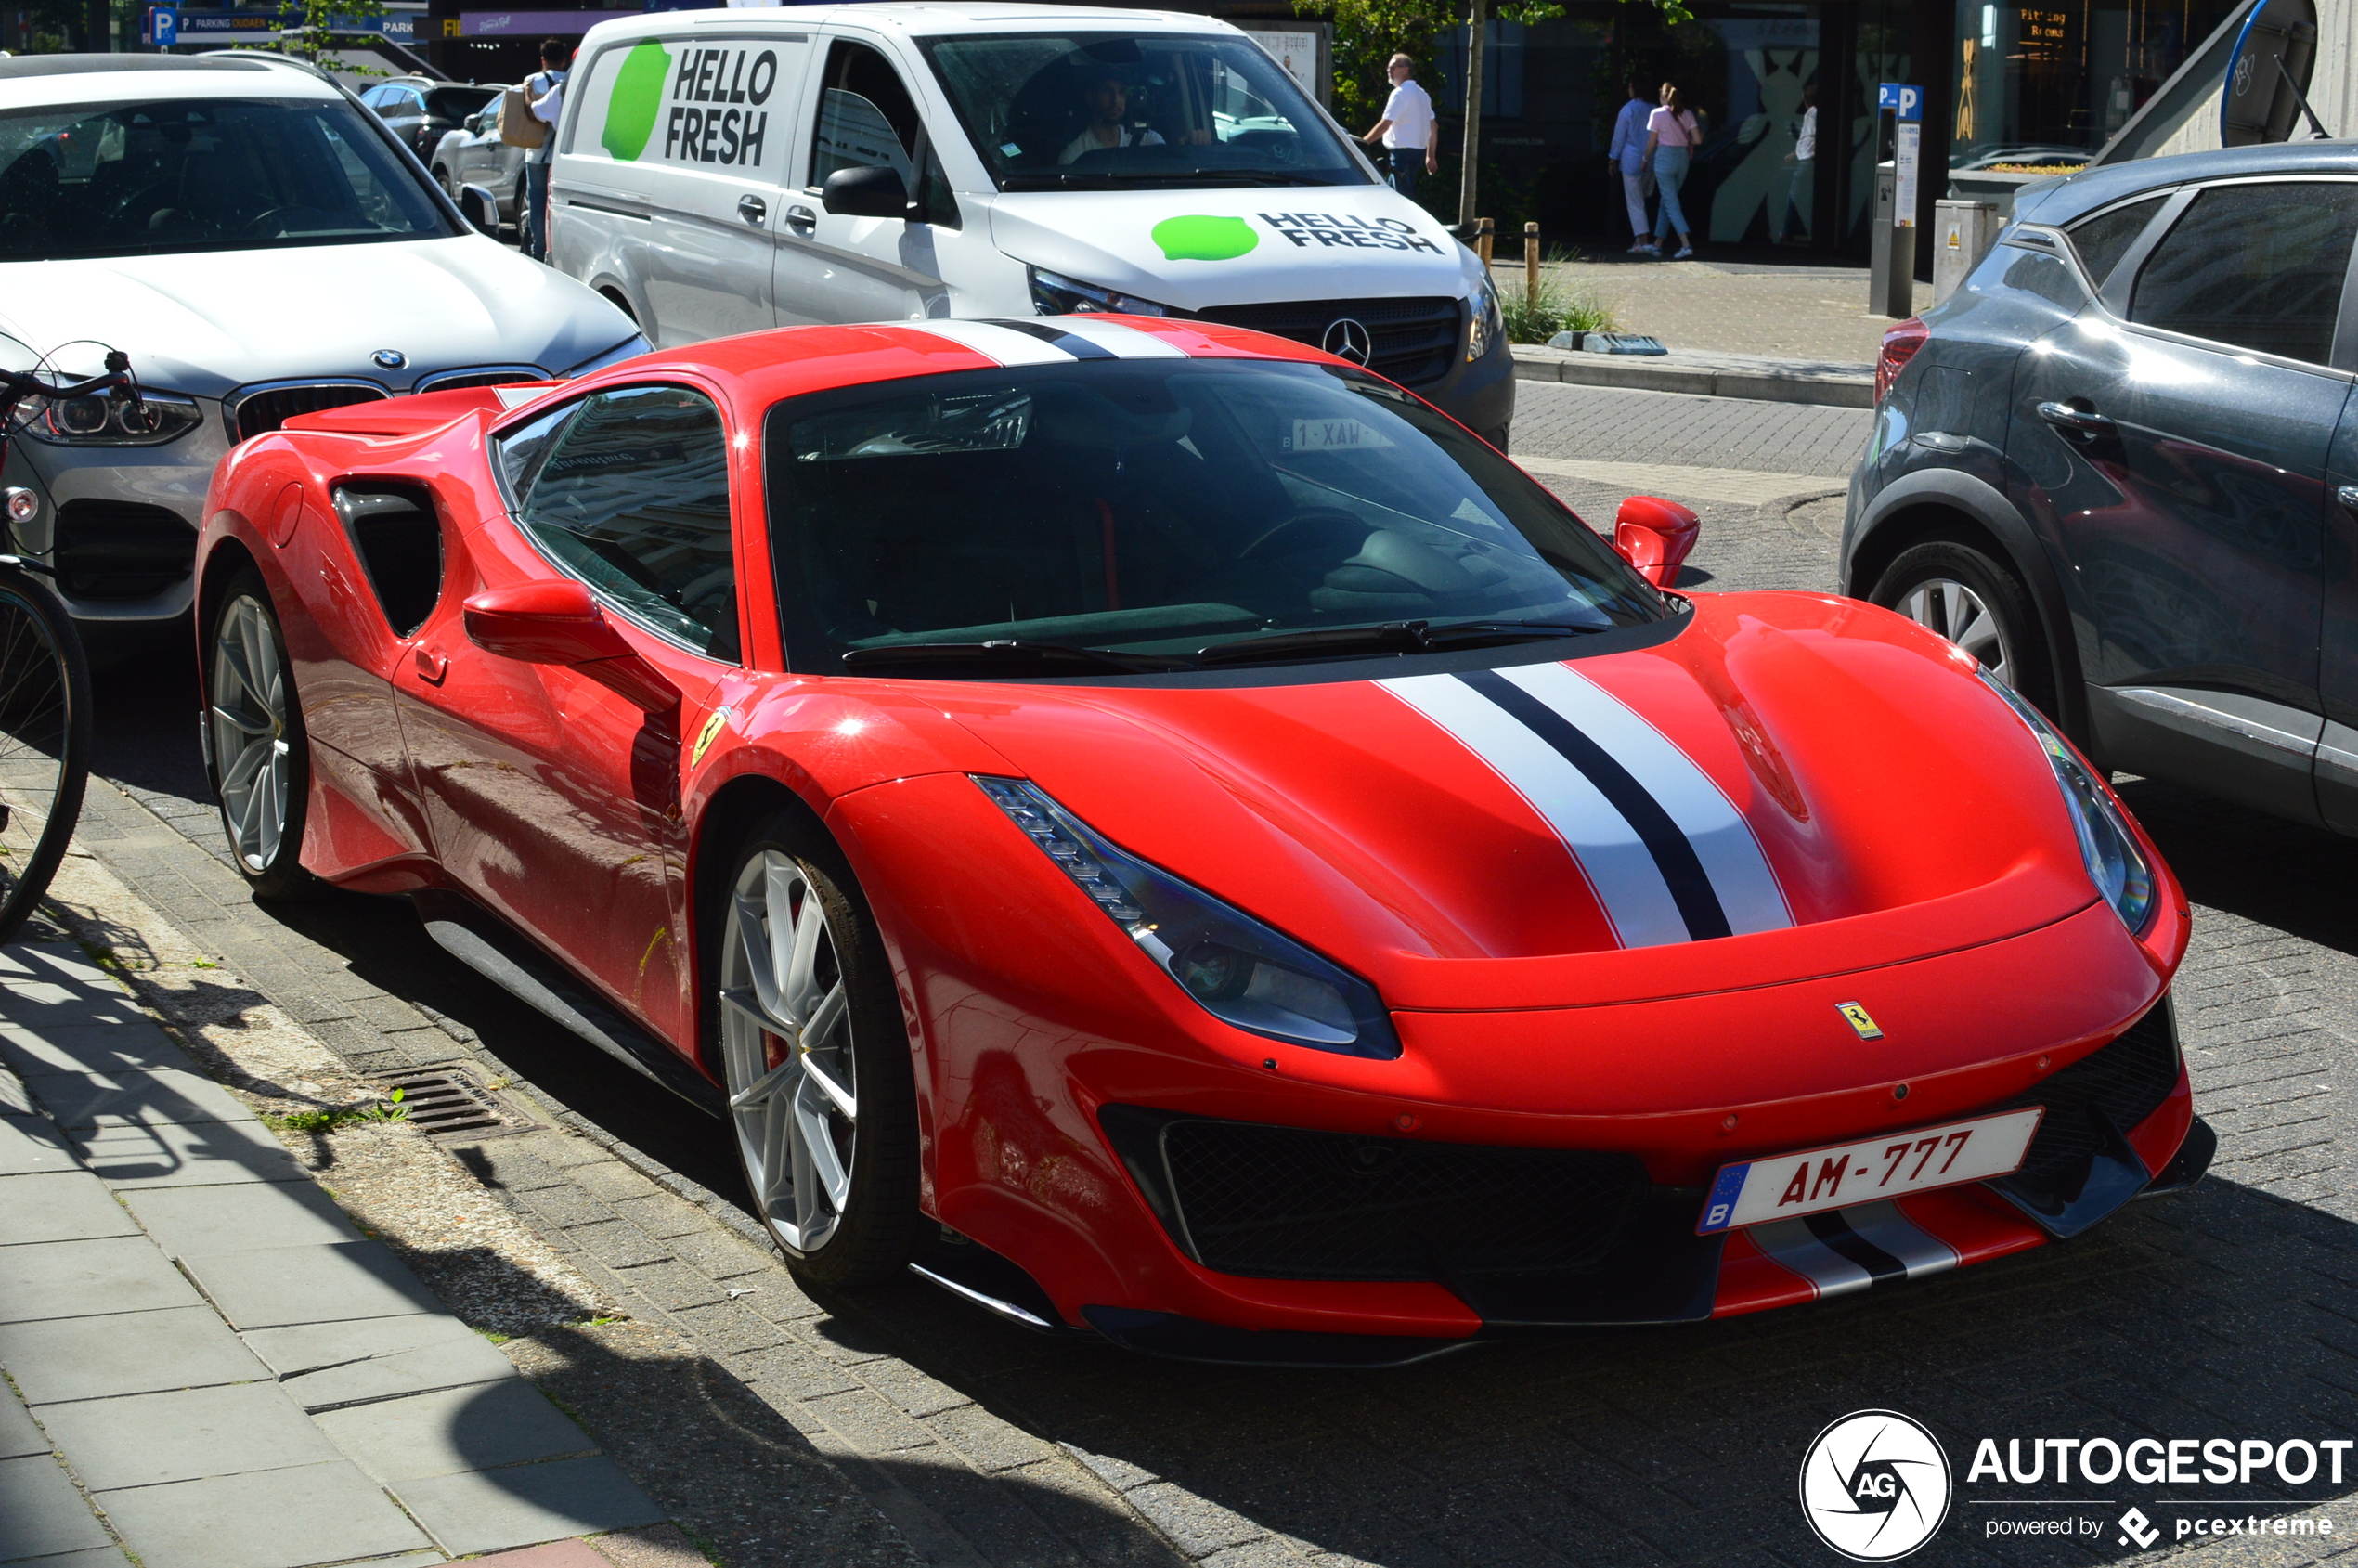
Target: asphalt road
x=2227 y=1313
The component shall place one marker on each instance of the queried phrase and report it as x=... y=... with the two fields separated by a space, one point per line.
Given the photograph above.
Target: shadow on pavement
x=2277 y=873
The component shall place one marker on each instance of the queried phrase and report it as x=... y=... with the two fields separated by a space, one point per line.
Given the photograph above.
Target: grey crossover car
x=2120 y=467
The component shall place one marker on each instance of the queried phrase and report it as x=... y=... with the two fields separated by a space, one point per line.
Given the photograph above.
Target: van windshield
x=201 y=174
x=1161 y=514
x=1093 y=110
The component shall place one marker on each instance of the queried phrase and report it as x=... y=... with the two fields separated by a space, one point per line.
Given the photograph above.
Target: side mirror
x=555 y=621
x=871 y=192
x=480 y=208
x=1654 y=536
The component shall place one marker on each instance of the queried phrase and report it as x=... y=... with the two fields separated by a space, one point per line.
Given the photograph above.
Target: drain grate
x=445 y=1100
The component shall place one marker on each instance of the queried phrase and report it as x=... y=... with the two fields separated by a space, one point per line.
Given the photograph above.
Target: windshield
x=1086 y=110
x=204 y=174
x=1159 y=508
x=457 y=103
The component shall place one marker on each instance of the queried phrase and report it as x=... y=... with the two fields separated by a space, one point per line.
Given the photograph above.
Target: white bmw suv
x=260 y=247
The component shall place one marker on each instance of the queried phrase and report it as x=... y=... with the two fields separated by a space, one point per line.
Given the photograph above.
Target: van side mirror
x=1654 y=536
x=479 y=207
x=555 y=621
x=871 y=192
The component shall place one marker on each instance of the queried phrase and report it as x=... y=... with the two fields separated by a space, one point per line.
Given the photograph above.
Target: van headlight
x=1489 y=324
x=1241 y=971
x=100 y=419
x=1053 y=294
x=2106 y=843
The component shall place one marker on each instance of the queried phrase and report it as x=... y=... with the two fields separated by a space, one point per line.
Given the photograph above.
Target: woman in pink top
x=1670 y=145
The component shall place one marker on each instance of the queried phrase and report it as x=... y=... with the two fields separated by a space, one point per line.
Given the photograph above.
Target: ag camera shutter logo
x=1875 y=1485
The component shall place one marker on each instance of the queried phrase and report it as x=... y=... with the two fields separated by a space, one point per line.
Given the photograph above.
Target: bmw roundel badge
x=390 y=359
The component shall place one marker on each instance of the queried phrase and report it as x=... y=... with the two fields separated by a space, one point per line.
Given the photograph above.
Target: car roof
x=919 y=20
x=2069 y=197
x=34 y=81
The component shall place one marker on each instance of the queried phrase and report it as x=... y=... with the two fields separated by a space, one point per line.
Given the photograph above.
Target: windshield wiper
x=1001 y=655
x=1393 y=637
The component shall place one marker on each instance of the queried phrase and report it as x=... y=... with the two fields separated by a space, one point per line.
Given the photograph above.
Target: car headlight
x=1489 y=324
x=1237 y=968
x=629 y=349
x=103 y=420
x=2106 y=843
x=1055 y=295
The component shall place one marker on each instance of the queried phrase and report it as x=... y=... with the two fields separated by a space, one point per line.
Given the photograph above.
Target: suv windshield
x=201 y=174
x=1085 y=110
x=1160 y=514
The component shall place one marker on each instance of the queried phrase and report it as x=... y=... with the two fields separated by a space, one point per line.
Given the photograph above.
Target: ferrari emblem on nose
x=1858 y=1018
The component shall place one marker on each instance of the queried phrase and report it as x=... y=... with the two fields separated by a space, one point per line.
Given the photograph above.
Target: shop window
x=2257 y=267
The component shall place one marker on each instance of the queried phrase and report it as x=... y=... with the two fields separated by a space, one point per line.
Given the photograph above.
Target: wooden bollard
x=1530 y=260
x=1485 y=235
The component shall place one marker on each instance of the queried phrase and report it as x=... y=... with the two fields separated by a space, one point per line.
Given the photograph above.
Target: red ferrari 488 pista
x=1165 y=834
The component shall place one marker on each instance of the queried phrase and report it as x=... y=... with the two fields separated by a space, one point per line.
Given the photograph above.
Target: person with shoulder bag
x=1671 y=135
x=529 y=119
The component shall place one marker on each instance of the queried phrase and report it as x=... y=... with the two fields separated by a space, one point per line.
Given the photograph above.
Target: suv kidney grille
x=259 y=412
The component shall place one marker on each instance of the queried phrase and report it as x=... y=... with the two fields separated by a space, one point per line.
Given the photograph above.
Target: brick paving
x=1802 y=311
x=948 y=1437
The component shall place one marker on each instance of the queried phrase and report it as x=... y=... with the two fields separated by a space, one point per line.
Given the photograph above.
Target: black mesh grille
x=1415 y=339
x=120 y=549
x=458 y=380
x=1282 y=1202
x=2127 y=1081
x=262 y=411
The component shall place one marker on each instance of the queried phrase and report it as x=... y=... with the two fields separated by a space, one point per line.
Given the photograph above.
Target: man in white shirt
x=1407 y=129
x=546 y=91
x=1627 y=155
x=1108 y=98
x=1801 y=178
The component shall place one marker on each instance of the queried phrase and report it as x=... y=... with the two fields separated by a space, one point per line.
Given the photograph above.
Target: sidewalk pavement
x=208 y=1365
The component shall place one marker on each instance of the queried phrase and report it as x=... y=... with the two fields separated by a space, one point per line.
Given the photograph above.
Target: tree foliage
x=307 y=28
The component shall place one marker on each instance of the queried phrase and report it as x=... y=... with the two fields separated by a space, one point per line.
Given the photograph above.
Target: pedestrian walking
x=1410 y=132
x=546 y=90
x=1793 y=205
x=1671 y=134
x=1628 y=158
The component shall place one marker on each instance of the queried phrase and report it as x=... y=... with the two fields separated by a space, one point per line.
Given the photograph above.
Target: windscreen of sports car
x=1106 y=518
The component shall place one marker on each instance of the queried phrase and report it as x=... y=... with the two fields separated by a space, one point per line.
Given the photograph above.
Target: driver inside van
x=1106 y=98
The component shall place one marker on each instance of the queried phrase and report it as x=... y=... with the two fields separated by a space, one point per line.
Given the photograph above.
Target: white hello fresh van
x=726 y=171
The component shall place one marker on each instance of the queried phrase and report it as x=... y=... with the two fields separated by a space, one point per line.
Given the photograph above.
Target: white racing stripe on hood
x=1628 y=886
x=1723 y=840
x=1051 y=340
x=993 y=342
x=1126 y=342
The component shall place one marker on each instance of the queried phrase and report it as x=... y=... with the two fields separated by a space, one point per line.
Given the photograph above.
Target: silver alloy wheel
x=785 y=1045
x=249 y=719
x=1956 y=612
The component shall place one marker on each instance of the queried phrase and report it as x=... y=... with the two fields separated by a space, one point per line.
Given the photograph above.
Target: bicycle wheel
x=44 y=741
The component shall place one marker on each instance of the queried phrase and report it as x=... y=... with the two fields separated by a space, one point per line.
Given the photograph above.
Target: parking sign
x=1903 y=98
x=163 y=27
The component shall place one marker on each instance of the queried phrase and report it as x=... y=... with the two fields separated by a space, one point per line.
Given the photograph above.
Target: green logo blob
x=638 y=94
x=1204 y=239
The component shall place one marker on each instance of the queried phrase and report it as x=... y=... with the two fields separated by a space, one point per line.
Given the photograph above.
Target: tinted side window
x=2259 y=267
x=867 y=120
x=2104 y=239
x=631 y=496
x=2036 y=273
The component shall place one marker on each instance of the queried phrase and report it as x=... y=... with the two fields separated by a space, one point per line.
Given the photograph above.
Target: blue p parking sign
x=163 y=26
x=1907 y=101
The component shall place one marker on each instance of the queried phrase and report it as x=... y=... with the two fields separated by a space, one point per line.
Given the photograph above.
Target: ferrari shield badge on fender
x=1852 y=1013
x=711 y=732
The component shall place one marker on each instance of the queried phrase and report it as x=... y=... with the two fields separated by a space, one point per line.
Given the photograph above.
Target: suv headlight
x=2106 y=843
x=1239 y=970
x=102 y=421
x=629 y=349
x=1489 y=324
x=1053 y=294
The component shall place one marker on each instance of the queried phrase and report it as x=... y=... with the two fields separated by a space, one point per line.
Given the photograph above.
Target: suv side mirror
x=1654 y=536
x=871 y=192
x=555 y=621
x=480 y=208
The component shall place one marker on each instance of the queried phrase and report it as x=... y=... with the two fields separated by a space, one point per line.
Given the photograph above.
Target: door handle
x=2348 y=496
x=753 y=209
x=2076 y=422
x=801 y=219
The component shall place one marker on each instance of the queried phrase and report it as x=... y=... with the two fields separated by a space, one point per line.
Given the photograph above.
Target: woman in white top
x=1671 y=135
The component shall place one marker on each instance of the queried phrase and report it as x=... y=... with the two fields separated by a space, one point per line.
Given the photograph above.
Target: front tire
x=1978 y=604
x=815 y=1056
x=261 y=752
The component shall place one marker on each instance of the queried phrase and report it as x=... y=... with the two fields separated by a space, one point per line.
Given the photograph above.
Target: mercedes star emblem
x=1348 y=340
x=390 y=359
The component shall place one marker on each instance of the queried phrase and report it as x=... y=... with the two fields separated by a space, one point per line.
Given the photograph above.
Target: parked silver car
x=472 y=153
